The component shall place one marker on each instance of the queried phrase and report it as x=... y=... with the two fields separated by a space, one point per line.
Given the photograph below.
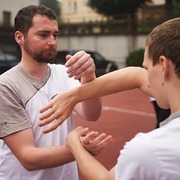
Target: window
x=75 y=6
x=6 y=18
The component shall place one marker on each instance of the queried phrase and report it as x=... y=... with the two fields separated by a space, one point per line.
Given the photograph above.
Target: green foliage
x=114 y=7
x=176 y=8
x=135 y=58
x=53 y=4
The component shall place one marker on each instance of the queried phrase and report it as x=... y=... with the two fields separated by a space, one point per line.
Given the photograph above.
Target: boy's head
x=165 y=40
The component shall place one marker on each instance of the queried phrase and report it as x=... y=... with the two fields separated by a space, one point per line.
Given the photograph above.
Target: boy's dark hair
x=165 y=40
x=23 y=19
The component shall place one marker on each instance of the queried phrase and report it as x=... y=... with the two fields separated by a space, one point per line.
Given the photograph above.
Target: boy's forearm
x=91 y=170
x=114 y=82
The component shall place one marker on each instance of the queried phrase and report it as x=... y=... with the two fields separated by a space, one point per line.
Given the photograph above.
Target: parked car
x=7 y=61
x=102 y=64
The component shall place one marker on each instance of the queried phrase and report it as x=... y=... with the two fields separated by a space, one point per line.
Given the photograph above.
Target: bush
x=135 y=58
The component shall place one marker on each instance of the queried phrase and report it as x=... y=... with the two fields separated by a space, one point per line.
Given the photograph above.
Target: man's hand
x=81 y=66
x=92 y=141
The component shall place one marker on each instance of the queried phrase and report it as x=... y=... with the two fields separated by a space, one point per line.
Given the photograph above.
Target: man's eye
x=55 y=36
x=43 y=35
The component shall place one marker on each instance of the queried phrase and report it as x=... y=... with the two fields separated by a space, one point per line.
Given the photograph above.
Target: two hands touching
x=92 y=141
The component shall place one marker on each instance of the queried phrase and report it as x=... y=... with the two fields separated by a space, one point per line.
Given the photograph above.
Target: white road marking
x=108 y=108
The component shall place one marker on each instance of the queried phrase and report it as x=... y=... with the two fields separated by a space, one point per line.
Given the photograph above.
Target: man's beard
x=44 y=56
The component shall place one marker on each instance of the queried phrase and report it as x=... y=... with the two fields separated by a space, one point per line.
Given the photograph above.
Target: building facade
x=9 y=8
x=159 y=2
x=8 y=11
x=76 y=11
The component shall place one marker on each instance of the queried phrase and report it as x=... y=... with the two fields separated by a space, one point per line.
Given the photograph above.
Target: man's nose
x=52 y=40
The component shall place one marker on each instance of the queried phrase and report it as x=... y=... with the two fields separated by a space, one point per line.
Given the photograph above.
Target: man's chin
x=52 y=61
x=46 y=60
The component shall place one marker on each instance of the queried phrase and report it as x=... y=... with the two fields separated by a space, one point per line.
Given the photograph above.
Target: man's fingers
x=104 y=142
x=89 y=137
x=98 y=139
x=84 y=131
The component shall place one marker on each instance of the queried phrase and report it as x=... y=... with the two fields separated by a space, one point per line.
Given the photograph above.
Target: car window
x=96 y=56
x=61 y=54
x=61 y=57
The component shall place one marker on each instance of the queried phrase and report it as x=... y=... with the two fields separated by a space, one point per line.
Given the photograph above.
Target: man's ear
x=165 y=65
x=19 y=37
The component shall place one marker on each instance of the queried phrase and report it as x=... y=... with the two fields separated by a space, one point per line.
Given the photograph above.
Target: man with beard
x=27 y=153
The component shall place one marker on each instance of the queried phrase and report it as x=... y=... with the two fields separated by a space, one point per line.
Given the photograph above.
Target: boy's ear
x=166 y=66
x=19 y=37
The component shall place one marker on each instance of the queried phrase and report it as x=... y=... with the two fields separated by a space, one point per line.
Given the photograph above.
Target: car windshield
x=96 y=56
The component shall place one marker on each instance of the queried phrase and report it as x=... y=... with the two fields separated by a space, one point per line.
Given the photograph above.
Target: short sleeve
x=13 y=117
x=137 y=161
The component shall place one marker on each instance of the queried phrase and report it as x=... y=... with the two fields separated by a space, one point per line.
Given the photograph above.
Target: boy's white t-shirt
x=152 y=156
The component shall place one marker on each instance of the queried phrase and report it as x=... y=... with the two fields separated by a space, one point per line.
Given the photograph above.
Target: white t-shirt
x=152 y=156
x=22 y=96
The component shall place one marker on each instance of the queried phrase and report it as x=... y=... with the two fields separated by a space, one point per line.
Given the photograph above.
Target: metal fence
x=127 y=25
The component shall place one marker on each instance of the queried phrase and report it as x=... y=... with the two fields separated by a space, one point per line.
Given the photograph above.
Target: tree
x=169 y=8
x=115 y=7
x=172 y=8
x=53 y=4
x=176 y=8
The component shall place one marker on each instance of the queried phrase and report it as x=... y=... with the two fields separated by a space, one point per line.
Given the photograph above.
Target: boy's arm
x=62 y=105
x=114 y=82
x=89 y=167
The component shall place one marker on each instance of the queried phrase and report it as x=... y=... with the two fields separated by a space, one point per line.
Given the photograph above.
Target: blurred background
x=114 y=33
x=112 y=28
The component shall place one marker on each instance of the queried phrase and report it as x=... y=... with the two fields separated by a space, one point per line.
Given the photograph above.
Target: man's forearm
x=46 y=157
